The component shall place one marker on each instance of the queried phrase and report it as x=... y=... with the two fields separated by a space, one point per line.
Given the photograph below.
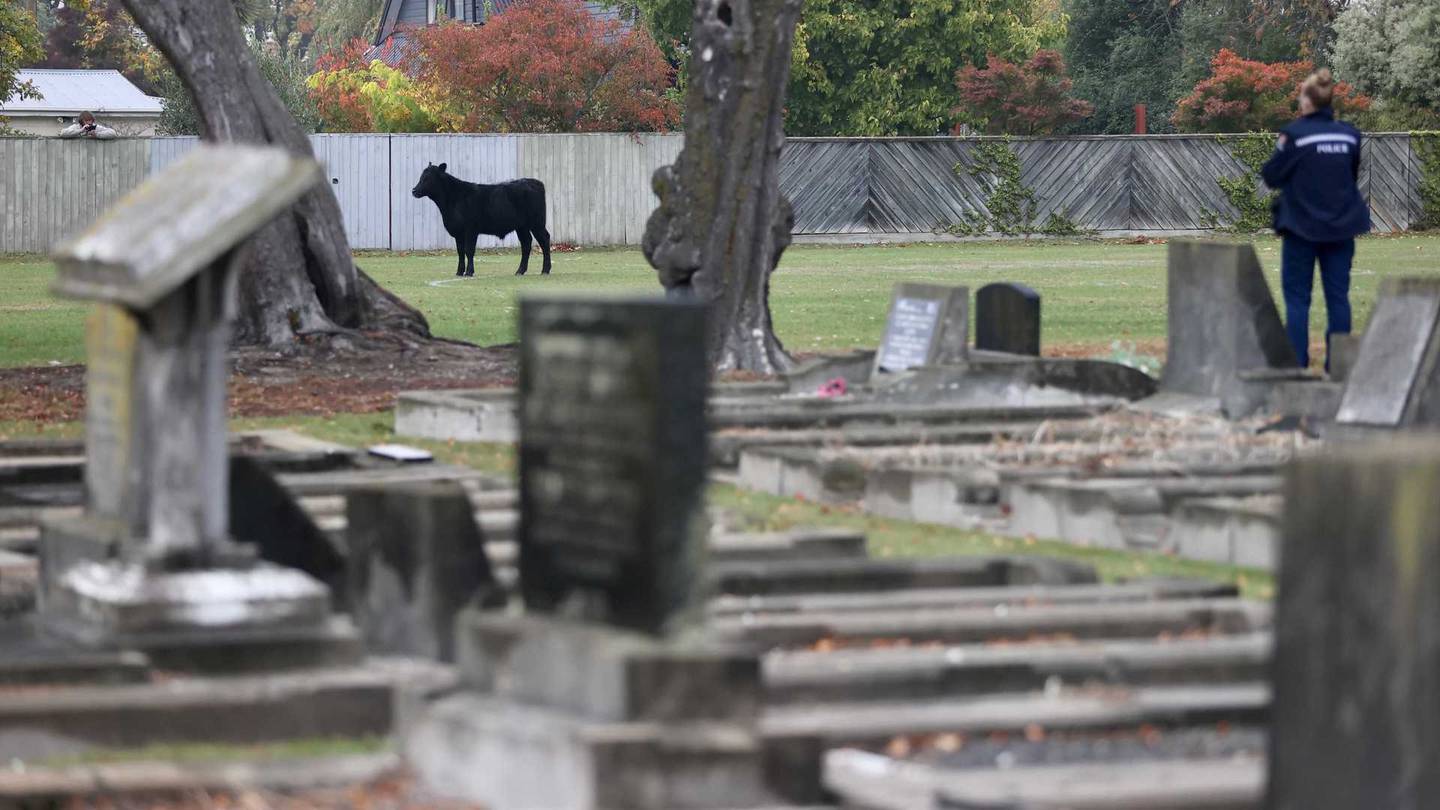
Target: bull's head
x=429 y=181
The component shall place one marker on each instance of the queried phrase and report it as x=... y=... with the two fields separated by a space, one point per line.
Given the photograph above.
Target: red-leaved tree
x=1243 y=95
x=545 y=66
x=1033 y=98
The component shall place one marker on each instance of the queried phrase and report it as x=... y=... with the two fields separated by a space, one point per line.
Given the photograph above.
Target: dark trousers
x=1297 y=277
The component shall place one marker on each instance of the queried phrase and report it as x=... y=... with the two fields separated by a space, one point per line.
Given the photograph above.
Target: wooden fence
x=599 y=184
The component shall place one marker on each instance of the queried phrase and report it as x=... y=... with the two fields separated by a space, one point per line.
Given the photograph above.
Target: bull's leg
x=543 y=237
x=459 y=256
x=470 y=253
x=524 y=251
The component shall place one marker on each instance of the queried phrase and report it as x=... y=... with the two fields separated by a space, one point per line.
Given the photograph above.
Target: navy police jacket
x=1315 y=167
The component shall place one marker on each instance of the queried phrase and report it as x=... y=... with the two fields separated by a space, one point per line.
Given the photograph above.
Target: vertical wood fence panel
x=50 y=190
x=599 y=185
x=357 y=169
x=415 y=224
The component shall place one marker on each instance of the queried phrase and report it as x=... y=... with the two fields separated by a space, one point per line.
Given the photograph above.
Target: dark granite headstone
x=1222 y=321
x=1388 y=385
x=1357 y=631
x=417 y=558
x=264 y=515
x=1007 y=319
x=612 y=457
x=927 y=325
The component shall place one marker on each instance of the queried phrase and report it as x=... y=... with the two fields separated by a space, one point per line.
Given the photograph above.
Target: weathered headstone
x=416 y=558
x=1393 y=382
x=612 y=456
x=1357 y=658
x=927 y=324
x=1007 y=319
x=153 y=554
x=1222 y=323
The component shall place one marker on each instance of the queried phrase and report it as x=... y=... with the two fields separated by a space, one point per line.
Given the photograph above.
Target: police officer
x=1316 y=167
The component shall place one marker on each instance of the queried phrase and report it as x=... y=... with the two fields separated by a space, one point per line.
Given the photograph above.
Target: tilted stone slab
x=1222 y=322
x=1392 y=383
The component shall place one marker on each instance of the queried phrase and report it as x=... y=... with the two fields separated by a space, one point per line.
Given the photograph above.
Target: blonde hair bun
x=1319 y=87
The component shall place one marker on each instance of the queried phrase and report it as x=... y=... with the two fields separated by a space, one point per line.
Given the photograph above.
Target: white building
x=64 y=94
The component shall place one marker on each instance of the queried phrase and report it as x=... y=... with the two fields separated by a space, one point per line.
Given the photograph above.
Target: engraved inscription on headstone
x=1392 y=353
x=111 y=335
x=908 y=333
x=612 y=454
x=926 y=325
x=1007 y=319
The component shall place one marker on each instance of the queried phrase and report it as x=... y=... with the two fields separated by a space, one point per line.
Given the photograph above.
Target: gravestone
x=1223 y=324
x=1393 y=382
x=416 y=557
x=1357 y=630
x=153 y=555
x=1007 y=319
x=612 y=457
x=265 y=516
x=927 y=325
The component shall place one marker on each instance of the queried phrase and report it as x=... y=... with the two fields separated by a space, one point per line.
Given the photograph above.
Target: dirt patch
x=264 y=383
x=1150 y=348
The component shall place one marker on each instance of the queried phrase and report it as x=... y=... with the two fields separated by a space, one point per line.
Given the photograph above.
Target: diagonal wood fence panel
x=598 y=185
x=1144 y=183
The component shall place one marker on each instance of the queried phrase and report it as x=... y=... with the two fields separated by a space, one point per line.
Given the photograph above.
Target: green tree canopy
x=1391 y=48
x=20 y=45
x=887 y=67
x=1122 y=53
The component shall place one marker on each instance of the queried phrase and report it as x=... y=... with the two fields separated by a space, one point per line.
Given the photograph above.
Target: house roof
x=396 y=16
x=73 y=91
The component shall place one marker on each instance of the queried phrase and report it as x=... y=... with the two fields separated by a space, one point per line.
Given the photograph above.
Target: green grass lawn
x=824 y=298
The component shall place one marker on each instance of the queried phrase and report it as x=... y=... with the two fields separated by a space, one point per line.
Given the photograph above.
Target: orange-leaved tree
x=1032 y=98
x=1243 y=95
x=545 y=66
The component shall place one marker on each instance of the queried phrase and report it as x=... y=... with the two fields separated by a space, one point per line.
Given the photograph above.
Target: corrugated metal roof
x=73 y=91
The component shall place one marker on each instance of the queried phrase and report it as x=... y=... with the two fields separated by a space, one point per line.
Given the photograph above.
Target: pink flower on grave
x=834 y=388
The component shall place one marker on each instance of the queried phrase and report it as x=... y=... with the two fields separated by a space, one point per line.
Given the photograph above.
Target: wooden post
x=1140 y=128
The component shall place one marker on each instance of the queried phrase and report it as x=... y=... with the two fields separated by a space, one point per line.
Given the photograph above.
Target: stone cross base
x=115 y=603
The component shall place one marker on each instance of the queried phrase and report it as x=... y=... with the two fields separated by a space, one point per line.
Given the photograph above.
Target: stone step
x=505 y=754
x=338 y=481
x=800 y=544
x=871 y=575
x=154 y=781
x=352 y=702
x=875 y=782
x=1092 y=708
x=726 y=445
x=1024 y=595
x=793 y=677
x=997 y=624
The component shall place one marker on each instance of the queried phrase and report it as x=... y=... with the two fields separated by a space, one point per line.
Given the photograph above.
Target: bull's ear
x=442 y=167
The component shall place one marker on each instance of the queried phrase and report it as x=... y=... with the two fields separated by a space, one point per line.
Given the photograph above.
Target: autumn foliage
x=1032 y=98
x=1243 y=95
x=544 y=66
x=352 y=95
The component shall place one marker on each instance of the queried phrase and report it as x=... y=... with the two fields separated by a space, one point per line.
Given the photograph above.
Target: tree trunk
x=722 y=222
x=302 y=278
